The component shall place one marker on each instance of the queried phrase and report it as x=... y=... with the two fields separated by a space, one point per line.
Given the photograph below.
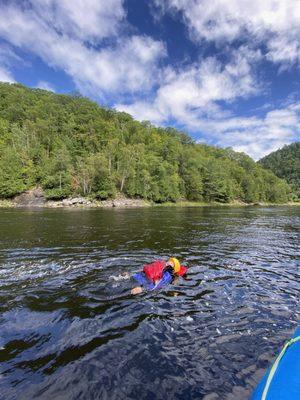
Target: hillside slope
x=285 y=163
x=70 y=145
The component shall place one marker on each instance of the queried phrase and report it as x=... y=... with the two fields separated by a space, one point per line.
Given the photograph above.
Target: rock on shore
x=36 y=198
x=124 y=202
x=31 y=198
x=83 y=202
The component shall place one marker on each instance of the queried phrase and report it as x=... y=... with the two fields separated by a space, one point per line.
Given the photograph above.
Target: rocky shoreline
x=36 y=198
x=82 y=202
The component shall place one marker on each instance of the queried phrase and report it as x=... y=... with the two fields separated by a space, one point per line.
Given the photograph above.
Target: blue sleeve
x=165 y=280
x=141 y=278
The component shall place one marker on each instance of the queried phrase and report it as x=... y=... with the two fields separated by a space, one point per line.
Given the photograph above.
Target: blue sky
x=225 y=71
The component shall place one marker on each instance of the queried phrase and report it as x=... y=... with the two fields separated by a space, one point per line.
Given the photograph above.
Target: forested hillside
x=285 y=163
x=70 y=145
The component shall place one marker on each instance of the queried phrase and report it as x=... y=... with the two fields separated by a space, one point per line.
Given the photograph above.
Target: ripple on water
x=70 y=328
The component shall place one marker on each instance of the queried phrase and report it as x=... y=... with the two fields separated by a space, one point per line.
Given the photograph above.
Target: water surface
x=69 y=328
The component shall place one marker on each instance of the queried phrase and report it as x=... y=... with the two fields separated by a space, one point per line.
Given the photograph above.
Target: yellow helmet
x=175 y=263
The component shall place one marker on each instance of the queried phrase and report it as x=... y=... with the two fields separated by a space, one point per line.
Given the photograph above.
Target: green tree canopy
x=70 y=145
x=285 y=163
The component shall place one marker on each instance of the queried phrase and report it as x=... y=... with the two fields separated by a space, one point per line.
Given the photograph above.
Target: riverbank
x=77 y=202
x=231 y=204
x=123 y=202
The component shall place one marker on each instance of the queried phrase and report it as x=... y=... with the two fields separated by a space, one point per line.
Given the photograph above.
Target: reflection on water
x=69 y=329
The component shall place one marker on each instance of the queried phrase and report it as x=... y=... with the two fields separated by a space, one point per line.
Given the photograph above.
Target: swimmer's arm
x=167 y=278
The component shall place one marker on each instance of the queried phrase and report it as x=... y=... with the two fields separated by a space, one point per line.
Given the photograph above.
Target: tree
x=71 y=145
x=56 y=177
x=12 y=180
x=217 y=184
x=285 y=163
x=94 y=177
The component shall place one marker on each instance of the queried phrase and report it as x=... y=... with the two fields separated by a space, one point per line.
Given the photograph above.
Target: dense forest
x=285 y=163
x=69 y=145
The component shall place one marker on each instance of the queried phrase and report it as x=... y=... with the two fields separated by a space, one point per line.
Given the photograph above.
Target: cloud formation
x=258 y=136
x=195 y=97
x=94 y=44
x=86 y=20
x=5 y=75
x=195 y=91
x=126 y=65
x=45 y=86
x=7 y=58
x=275 y=23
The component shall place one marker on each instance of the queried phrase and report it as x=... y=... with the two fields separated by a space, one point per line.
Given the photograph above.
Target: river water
x=69 y=328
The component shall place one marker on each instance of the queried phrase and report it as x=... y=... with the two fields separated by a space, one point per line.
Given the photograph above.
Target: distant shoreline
x=231 y=204
x=83 y=203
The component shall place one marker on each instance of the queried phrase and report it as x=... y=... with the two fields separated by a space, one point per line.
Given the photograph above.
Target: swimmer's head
x=174 y=263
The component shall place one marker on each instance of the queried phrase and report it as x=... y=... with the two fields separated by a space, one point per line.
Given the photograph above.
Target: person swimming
x=158 y=274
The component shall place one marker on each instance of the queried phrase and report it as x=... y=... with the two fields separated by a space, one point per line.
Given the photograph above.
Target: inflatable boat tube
x=282 y=380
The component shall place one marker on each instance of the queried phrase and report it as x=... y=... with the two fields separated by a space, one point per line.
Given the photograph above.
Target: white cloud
x=195 y=97
x=128 y=65
x=199 y=88
x=45 y=86
x=274 y=23
x=252 y=135
x=88 y=41
x=6 y=75
x=195 y=92
x=258 y=136
x=87 y=20
x=284 y=50
x=7 y=57
x=192 y=98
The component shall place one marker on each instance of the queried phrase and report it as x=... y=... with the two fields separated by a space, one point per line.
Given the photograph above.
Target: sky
x=227 y=72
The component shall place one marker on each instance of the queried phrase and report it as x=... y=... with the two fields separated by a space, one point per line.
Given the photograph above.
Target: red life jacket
x=155 y=270
x=182 y=271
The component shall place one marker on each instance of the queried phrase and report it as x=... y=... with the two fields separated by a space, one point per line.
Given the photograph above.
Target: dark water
x=69 y=328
